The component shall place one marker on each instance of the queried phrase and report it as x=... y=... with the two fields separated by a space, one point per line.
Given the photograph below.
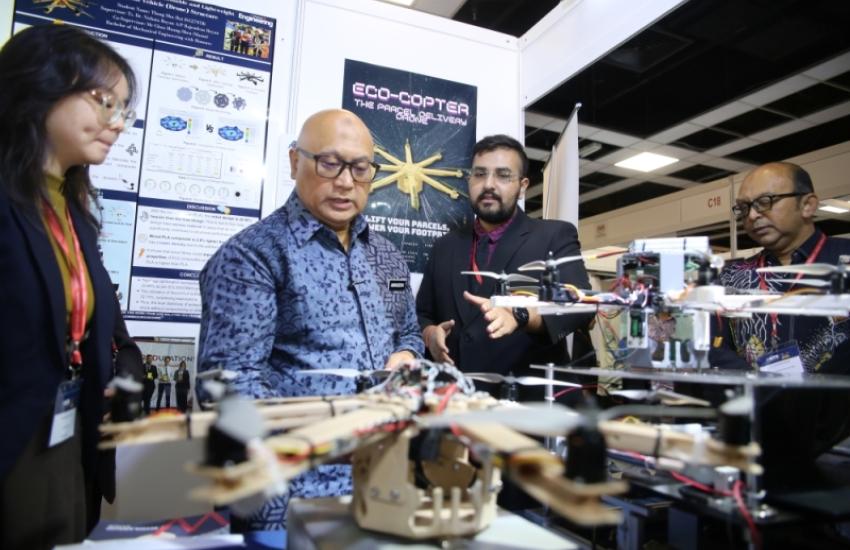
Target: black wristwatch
x=521 y=316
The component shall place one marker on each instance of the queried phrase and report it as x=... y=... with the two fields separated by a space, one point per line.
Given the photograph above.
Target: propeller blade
x=520 y=278
x=218 y=374
x=804 y=282
x=536 y=265
x=346 y=373
x=805 y=269
x=566 y=259
x=540 y=265
x=490 y=274
x=509 y=277
x=532 y=418
x=667 y=397
x=495 y=378
x=491 y=377
x=540 y=381
x=632 y=395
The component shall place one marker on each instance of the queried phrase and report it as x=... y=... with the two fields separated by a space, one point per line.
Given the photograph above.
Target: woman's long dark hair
x=39 y=66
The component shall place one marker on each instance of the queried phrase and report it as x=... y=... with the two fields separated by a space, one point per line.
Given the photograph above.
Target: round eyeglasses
x=760 y=204
x=112 y=109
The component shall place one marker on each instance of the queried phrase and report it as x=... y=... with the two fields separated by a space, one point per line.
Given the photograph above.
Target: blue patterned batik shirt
x=283 y=296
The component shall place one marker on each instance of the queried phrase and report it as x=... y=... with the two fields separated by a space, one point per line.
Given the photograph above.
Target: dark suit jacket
x=33 y=331
x=440 y=297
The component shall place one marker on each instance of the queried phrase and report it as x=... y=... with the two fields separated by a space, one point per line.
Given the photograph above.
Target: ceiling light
x=646 y=162
x=407 y=3
x=833 y=209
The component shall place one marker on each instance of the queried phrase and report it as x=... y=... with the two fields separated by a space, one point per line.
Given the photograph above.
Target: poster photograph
x=424 y=130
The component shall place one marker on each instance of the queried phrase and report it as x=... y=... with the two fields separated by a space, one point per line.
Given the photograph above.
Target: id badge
x=784 y=360
x=65 y=412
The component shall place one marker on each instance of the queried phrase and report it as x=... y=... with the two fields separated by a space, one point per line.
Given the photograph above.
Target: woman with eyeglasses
x=63 y=103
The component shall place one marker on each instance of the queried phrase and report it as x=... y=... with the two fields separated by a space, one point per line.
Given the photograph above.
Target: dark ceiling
x=702 y=56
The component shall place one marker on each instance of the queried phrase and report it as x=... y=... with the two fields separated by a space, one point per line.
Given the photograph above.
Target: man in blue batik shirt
x=310 y=287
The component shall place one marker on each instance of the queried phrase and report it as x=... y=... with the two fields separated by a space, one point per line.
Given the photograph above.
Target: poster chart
x=424 y=130
x=189 y=174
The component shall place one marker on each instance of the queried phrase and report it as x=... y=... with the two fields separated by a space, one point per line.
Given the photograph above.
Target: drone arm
x=540 y=474
x=655 y=441
x=156 y=429
x=339 y=435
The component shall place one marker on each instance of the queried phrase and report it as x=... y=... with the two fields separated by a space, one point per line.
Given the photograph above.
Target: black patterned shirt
x=824 y=342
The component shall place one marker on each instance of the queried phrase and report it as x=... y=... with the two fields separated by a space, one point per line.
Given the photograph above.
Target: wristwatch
x=521 y=316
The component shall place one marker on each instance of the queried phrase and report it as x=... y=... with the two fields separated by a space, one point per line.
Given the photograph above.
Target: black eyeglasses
x=331 y=166
x=761 y=204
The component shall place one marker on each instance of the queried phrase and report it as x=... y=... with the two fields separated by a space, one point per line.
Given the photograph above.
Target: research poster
x=424 y=130
x=189 y=174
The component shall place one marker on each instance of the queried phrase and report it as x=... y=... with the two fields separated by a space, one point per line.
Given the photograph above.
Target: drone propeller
x=818 y=270
x=347 y=373
x=542 y=265
x=531 y=418
x=803 y=282
x=219 y=374
x=495 y=378
x=666 y=397
x=507 y=277
x=216 y=382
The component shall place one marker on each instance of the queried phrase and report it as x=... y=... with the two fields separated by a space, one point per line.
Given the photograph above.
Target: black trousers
x=164 y=389
x=182 y=398
x=147 y=395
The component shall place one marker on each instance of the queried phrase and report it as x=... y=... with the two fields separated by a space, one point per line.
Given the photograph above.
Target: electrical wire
x=737 y=490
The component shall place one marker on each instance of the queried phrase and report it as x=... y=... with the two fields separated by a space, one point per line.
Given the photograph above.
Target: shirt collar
x=805 y=250
x=801 y=254
x=305 y=226
x=496 y=233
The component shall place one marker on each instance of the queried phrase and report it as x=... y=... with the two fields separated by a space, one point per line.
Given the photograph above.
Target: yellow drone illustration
x=75 y=6
x=411 y=176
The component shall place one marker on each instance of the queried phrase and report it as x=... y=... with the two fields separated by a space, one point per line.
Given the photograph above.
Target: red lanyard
x=774 y=317
x=472 y=261
x=77 y=271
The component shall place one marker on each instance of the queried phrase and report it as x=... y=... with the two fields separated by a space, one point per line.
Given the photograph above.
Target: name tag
x=397 y=285
x=784 y=360
x=65 y=412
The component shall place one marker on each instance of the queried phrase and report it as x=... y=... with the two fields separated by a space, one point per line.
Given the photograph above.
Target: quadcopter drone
x=428 y=450
x=664 y=295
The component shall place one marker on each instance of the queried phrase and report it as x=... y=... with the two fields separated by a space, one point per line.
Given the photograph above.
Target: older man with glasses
x=776 y=205
x=310 y=287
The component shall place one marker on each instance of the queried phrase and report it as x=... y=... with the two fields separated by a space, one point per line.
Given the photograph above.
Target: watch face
x=521 y=316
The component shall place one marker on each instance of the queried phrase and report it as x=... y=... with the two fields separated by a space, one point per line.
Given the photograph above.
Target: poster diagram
x=424 y=130
x=189 y=174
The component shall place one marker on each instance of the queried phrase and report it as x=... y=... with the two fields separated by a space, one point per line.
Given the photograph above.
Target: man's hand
x=435 y=340
x=500 y=320
x=399 y=358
